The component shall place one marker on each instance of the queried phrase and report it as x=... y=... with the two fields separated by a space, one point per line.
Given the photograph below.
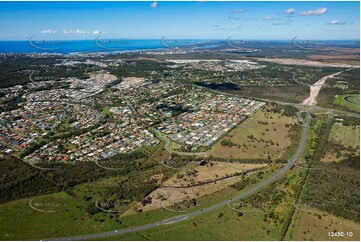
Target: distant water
x=75 y=46
x=92 y=46
x=123 y=45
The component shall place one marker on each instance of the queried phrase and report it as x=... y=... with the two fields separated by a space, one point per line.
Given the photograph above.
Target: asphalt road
x=289 y=165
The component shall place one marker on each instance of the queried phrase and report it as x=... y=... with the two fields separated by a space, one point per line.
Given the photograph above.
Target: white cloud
x=97 y=32
x=319 y=11
x=239 y=11
x=154 y=5
x=337 y=22
x=290 y=11
x=49 y=31
x=82 y=32
x=78 y=31
x=281 y=23
x=267 y=18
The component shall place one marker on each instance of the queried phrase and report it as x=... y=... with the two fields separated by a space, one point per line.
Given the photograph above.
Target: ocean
x=96 y=45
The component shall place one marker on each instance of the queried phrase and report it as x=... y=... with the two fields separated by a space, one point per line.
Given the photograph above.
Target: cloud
x=267 y=18
x=337 y=22
x=82 y=32
x=319 y=11
x=154 y=5
x=290 y=11
x=281 y=23
x=217 y=27
x=97 y=32
x=234 y=18
x=49 y=31
x=241 y=10
x=78 y=31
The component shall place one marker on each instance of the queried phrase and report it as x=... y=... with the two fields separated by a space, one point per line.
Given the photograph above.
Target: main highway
x=291 y=162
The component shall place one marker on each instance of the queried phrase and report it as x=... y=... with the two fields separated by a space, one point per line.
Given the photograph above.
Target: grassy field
x=342 y=142
x=351 y=101
x=263 y=136
x=316 y=225
x=20 y=222
x=348 y=136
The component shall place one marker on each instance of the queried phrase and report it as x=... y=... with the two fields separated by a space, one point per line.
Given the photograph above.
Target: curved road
x=289 y=165
x=167 y=146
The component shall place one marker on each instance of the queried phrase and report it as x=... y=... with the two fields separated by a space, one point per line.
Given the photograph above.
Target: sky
x=180 y=20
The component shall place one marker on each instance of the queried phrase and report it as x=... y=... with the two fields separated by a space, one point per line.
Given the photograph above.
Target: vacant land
x=342 y=142
x=348 y=136
x=285 y=61
x=264 y=136
x=187 y=198
x=318 y=224
x=211 y=171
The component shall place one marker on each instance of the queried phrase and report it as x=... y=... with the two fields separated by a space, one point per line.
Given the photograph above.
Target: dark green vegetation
x=335 y=188
x=15 y=70
x=22 y=180
x=332 y=187
x=274 y=81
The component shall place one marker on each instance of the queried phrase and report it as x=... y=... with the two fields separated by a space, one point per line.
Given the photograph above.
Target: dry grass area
x=168 y=196
x=269 y=138
x=315 y=226
x=211 y=171
x=302 y=62
x=340 y=58
x=332 y=156
x=102 y=77
x=133 y=80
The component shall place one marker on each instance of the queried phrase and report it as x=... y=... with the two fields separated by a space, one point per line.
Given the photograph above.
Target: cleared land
x=315 y=89
x=301 y=62
x=343 y=142
x=317 y=225
x=263 y=136
x=173 y=196
x=211 y=171
x=348 y=136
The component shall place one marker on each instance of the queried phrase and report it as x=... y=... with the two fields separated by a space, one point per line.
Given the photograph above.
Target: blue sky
x=197 y=20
